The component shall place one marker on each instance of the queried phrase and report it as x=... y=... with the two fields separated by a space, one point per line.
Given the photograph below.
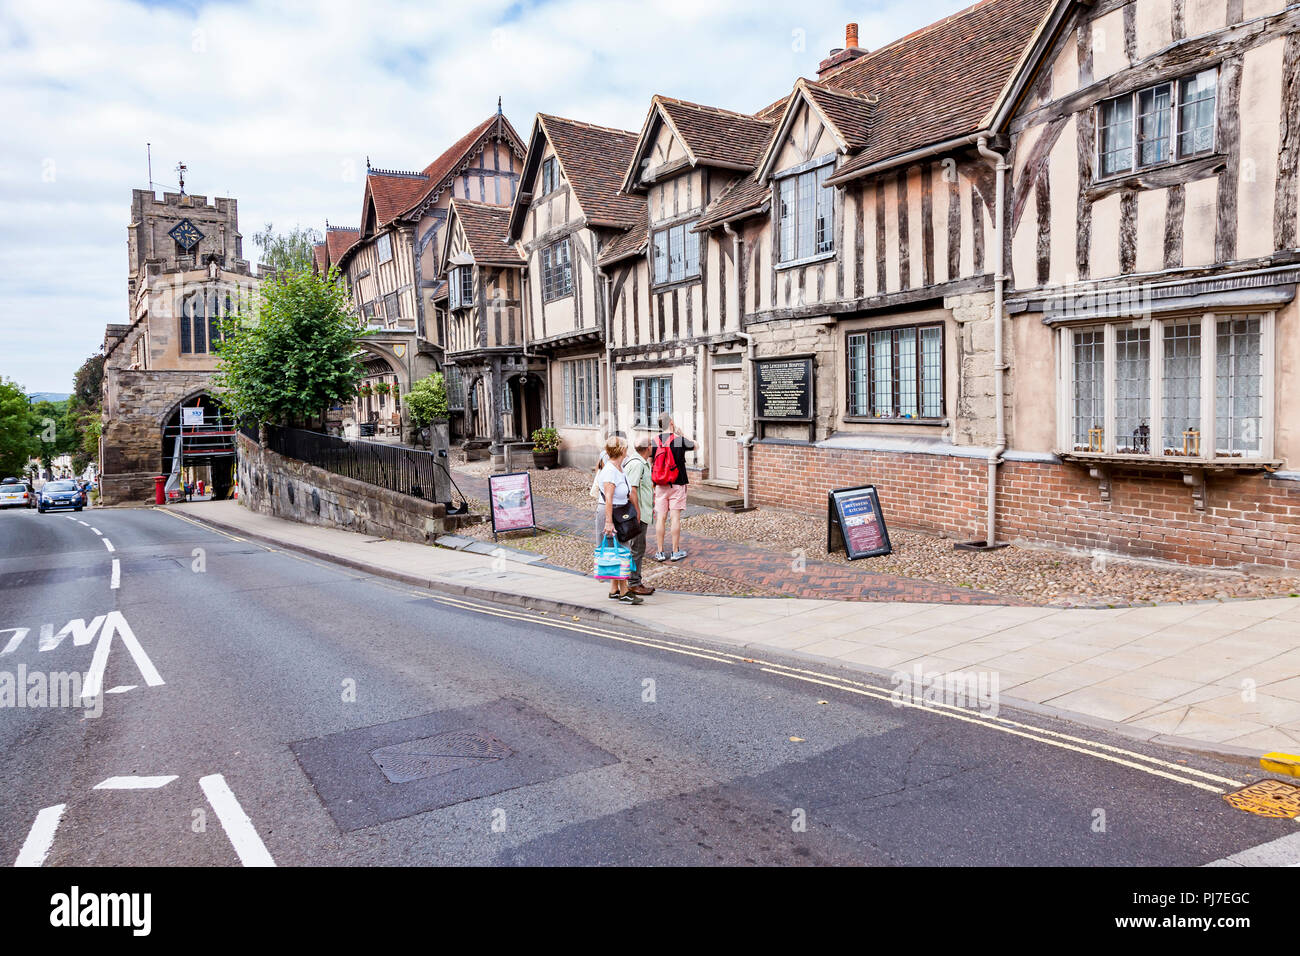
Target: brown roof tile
x=393 y=193
x=594 y=159
x=321 y=254
x=849 y=113
x=747 y=194
x=939 y=82
x=627 y=244
x=339 y=239
x=485 y=226
x=716 y=135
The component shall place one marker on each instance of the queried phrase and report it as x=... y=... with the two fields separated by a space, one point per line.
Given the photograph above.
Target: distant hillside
x=49 y=396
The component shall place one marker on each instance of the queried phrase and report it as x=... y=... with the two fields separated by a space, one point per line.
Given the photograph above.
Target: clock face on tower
x=186 y=234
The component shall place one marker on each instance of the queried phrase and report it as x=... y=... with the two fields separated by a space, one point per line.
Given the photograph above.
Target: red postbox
x=158 y=482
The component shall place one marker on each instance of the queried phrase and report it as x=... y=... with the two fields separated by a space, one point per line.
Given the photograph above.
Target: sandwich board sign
x=512 y=502
x=855 y=521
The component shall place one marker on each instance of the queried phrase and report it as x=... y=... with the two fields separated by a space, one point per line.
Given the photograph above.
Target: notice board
x=855 y=521
x=512 y=502
x=784 y=389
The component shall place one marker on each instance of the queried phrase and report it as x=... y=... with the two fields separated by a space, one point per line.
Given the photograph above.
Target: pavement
x=1220 y=678
x=263 y=706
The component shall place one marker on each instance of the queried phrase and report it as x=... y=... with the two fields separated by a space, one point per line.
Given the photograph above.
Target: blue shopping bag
x=613 y=560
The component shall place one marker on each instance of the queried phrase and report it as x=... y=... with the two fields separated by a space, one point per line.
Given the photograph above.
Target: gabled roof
x=485 y=226
x=748 y=195
x=710 y=136
x=942 y=81
x=627 y=244
x=321 y=254
x=592 y=159
x=392 y=193
x=848 y=116
x=339 y=239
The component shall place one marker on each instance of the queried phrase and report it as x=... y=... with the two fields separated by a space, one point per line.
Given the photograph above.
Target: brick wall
x=1250 y=520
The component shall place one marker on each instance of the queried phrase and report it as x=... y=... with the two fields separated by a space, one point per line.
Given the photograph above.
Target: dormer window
x=806 y=213
x=676 y=253
x=550 y=175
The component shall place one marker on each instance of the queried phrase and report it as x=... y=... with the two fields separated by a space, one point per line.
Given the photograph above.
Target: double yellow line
x=1154 y=766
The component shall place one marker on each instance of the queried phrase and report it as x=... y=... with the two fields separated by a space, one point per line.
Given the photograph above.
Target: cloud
x=278 y=105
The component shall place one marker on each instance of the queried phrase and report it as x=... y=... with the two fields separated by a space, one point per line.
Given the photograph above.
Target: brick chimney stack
x=839 y=58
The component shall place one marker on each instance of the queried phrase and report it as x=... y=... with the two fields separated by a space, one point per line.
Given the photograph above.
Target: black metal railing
x=407 y=471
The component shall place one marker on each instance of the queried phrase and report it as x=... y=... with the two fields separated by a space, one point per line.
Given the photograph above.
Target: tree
x=426 y=402
x=18 y=443
x=297 y=357
x=57 y=430
x=88 y=382
x=292 y=250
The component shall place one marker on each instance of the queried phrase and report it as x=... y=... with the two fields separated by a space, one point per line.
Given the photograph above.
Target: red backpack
x=664 y=469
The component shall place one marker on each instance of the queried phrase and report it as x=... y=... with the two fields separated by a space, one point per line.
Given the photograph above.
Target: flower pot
x=546 y=459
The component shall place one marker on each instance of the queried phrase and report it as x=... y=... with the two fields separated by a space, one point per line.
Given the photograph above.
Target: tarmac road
x=244 y=680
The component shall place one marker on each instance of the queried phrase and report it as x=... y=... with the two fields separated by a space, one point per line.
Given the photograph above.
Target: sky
x=279 y=105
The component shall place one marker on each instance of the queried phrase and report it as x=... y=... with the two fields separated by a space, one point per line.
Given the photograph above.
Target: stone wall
x=137 y=405
x=285 y=488
x=1248 y=521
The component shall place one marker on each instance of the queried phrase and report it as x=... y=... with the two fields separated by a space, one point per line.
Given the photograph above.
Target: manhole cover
x=1268 y=798
x=441 y=753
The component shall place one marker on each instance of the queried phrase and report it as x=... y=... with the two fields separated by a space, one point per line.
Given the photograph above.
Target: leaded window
x=557 y=271
x=896 y=374
x=1157 y=125
x=676 y=253
x=806 y=214
x=651 y=397
x=582 y=391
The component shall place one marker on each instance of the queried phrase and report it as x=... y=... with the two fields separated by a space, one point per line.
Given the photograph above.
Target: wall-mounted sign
x=192 y=416
x=855 y=522
x=783 y=389
x=512 y=502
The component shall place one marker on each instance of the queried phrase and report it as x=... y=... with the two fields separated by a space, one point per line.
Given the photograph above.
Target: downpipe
x=1000 y=165
x=746 y=441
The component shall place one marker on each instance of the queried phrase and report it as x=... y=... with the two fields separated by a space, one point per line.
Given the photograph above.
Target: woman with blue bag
x=613 y=558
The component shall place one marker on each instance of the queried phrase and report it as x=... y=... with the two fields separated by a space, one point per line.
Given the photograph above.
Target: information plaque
x=784 y=388
x=855 y=522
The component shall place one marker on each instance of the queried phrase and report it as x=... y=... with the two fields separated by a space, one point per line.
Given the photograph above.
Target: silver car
x=16 y=494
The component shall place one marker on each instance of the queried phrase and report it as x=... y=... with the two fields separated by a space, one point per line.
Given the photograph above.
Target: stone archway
x=526 y=393
x=377 y=409
x=200 y=430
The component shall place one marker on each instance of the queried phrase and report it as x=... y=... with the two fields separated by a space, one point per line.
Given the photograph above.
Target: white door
x=728 y=425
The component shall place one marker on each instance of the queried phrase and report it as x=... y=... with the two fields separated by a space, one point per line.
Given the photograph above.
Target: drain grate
x=1268 y=798
x=441 y=753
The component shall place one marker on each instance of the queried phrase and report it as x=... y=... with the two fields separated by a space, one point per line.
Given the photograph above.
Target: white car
x=15 y=493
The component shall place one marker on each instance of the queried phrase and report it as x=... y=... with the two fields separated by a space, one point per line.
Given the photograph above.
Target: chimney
x=841 y=57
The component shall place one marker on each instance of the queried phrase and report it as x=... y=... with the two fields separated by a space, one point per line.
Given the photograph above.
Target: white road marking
x=80 y=522
x=70 y=517
x=37 y=845
x=96 y=530
x=18 y=634
x=108 y=544
x=1284 y=851
x=134 y=783
x=117 y=575
x=239 y=828
x=115 y=623
x=120 y=689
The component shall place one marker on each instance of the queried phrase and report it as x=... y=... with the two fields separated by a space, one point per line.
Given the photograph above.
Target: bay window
x=460 y=287
x=1189 y=387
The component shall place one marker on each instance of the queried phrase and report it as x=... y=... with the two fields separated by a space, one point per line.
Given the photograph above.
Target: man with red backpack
x=668 y=472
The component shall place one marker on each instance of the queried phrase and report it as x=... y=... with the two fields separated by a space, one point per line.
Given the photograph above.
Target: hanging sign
x=512 y=502
x=192 y=416
x=855 y=522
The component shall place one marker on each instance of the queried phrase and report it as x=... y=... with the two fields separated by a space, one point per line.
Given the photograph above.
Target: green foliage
x=289 y=251
x=426 y=402
x=87 y=383
x=57 y=429
x=18 y=441
x=546 y=439
x=297 y=358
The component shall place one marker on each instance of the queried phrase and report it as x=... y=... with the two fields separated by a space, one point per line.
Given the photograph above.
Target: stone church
x=186 y=273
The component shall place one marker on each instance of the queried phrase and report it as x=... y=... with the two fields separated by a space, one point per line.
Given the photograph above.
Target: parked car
x=15 y=493
x=63 y=493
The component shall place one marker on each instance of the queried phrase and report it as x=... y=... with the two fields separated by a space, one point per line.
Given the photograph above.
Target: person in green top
x=637 y=469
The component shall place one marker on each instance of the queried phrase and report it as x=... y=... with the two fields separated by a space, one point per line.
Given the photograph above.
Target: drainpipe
x=609 y=351
x=746 y=440
x=1000 y=164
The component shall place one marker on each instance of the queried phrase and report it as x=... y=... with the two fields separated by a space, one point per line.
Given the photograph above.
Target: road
x=260 y=705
